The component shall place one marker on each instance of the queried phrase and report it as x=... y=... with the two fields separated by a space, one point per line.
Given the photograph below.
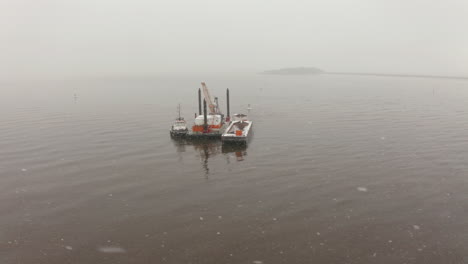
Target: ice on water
x=111 y=250
x=362 y=189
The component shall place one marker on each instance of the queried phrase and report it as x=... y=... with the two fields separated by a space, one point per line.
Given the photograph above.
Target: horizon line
x=398 y=75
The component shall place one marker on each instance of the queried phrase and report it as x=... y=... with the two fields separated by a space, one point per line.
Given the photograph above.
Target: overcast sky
x=107 y=37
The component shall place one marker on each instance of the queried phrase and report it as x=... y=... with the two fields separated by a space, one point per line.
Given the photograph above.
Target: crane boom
x=208 y=100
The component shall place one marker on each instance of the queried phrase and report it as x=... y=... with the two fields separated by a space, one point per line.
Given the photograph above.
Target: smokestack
x=228 y=115
x=199 y=101
x=205 y=119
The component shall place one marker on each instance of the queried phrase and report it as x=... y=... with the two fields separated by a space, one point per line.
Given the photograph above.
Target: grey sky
x=93 y=37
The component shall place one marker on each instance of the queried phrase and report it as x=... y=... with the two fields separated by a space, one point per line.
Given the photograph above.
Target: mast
x=217 y=105
x=178 y=108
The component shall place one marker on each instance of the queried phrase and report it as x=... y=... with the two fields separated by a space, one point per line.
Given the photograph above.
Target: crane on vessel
x=214 y=109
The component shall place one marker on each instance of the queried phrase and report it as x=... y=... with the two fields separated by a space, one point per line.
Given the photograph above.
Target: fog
x=64 y=38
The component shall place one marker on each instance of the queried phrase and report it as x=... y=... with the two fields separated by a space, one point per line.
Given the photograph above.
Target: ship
x=239 y=130
x=179 y=126
x=211 y=122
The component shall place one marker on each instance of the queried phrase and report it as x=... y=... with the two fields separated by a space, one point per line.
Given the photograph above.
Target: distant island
x=295 y=71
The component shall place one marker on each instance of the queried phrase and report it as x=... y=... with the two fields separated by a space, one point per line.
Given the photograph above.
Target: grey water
x=341 y=169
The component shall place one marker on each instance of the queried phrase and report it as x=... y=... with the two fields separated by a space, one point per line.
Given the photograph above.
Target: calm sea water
x=342 y=169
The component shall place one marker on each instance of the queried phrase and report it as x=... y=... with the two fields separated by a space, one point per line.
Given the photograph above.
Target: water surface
x=342 y=169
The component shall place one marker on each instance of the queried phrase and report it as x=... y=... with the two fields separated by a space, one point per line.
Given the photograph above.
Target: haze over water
x=342 y=169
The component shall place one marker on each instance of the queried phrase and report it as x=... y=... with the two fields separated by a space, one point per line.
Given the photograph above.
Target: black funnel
x=227 y=103
x=205 y=119
x=199 y=101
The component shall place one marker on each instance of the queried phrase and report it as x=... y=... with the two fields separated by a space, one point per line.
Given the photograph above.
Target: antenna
x=178 y=108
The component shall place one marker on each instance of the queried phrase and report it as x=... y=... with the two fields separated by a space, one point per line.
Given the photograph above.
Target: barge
x=239 y=130
x=209 y=123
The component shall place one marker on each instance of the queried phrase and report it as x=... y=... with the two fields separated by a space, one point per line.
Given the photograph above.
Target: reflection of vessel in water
x=239 y=130
x=240 y=150
x=230 y=148
x=209 y=148
x=205 y=147
x=179 y=127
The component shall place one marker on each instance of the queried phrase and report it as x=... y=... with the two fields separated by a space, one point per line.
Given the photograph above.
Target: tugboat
x=179 y=127
x=239 y=131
